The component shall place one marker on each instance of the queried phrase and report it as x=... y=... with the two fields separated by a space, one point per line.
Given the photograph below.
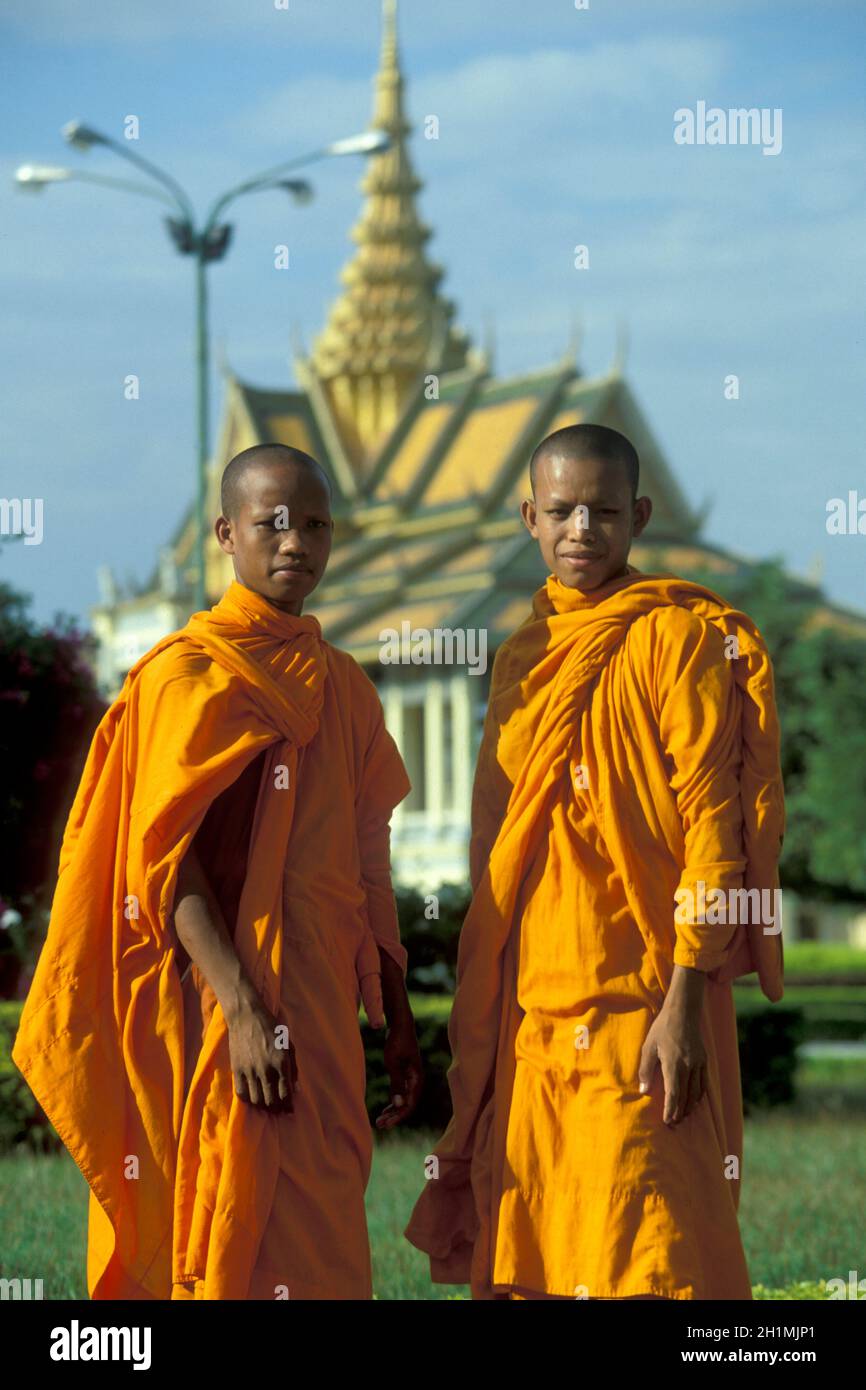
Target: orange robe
x=628 y=753
x=249 y=720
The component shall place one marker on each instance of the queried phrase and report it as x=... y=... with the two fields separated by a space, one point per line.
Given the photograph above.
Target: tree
x=49 y=708
x=820 y=677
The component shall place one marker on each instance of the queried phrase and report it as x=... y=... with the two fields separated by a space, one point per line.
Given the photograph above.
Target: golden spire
x=389 y=326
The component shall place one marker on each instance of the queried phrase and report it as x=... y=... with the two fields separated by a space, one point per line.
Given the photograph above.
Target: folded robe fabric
x=542 y=686
x=181 y=1171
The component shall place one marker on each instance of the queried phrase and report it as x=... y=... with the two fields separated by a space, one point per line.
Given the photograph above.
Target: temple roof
x=426 y=448
x=390 y=324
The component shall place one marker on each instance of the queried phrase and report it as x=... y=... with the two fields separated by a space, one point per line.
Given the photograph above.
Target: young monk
x=224 y=898
x=630 y=752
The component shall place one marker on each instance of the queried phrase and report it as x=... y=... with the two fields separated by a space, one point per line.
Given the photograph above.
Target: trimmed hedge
x=830 y=1014
x=824 y=962
x=768 y=1040
x=769 y=1036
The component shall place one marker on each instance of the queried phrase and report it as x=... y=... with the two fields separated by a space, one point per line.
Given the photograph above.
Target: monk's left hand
x=674 y=1041
x=404 y=1067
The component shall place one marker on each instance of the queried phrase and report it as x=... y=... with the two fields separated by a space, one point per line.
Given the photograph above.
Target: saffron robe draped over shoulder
x=630 y=754
x=130 y=1066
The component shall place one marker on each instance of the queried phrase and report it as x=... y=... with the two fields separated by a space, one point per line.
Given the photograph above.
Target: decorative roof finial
x=390 y=324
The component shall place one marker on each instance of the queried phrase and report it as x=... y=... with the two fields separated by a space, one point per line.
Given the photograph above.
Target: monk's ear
x=643 y=509
x=527 y=511
x=223 y=533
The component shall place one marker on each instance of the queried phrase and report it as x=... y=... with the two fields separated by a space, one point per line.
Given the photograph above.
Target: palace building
x=428 y=451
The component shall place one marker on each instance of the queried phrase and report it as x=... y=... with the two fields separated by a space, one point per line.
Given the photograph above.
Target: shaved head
x=589 y=441
x=584 y=510
x=237 y=470
x=276 y=523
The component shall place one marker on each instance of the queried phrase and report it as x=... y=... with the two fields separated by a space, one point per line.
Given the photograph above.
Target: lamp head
x=81 y=136
x=299 y=189
x=368 y=142
x=34 y=177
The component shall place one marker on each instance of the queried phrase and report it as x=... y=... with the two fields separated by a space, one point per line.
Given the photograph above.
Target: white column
x=433 y=740
x=462 y=771
x=392 y=703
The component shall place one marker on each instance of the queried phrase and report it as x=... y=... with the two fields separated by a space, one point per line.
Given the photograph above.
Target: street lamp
x=206 y=243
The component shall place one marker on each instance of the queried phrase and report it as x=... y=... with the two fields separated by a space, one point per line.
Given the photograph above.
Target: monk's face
x=280 y=539
x=584 y=519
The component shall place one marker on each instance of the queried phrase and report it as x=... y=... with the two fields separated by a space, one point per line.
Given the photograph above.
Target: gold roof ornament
x=390 y=326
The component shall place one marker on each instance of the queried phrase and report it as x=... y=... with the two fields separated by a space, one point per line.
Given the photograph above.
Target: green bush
x=22 y=1120
x=431 y=942
x=768 y=1040
x=49 y=709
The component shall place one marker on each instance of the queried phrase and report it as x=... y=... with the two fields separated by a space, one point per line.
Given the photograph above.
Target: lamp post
x=205 y=244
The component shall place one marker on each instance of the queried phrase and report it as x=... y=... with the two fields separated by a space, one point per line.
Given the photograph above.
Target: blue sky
x=556 y=128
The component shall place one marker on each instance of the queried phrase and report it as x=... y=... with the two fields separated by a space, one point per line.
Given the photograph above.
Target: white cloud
x=310 y=112
x=504 y=100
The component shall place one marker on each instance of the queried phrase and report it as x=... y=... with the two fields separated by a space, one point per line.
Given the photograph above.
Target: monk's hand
x=264 y=1065
x=674 y=1042
x=404 y=1067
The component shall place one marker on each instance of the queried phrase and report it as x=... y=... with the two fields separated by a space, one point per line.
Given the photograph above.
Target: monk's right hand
x=265 y=1070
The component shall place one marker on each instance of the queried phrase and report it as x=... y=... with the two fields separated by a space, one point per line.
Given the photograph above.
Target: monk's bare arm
x=258 y=1064
x=401 y=1054
x=394 y=995
x=202 y=931
x=675 y=1043
x=686 y=990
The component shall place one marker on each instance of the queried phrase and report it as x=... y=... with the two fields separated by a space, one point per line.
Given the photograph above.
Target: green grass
x=399 y=1270
x=43 y=1217
x=801 y=1209
x=800 y=1214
